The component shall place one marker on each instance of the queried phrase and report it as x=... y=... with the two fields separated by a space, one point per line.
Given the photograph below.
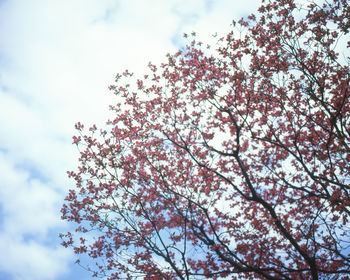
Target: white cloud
x=30 y=260
x=29 y=209
x=57 y=61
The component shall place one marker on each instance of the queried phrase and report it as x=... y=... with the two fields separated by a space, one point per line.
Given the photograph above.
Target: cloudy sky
x=57 y=59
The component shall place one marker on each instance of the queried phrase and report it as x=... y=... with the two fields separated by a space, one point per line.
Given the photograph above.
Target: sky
x=57 y=59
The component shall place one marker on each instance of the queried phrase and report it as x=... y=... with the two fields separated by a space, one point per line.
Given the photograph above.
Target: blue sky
x=57 y=59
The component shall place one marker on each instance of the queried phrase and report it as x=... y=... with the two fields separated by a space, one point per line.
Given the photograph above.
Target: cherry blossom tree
x=225 y=162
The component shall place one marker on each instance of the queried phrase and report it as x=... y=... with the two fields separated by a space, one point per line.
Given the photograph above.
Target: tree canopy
x=225 y=162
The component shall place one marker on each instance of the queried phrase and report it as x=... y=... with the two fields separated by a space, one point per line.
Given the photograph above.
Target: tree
x=230 y=162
